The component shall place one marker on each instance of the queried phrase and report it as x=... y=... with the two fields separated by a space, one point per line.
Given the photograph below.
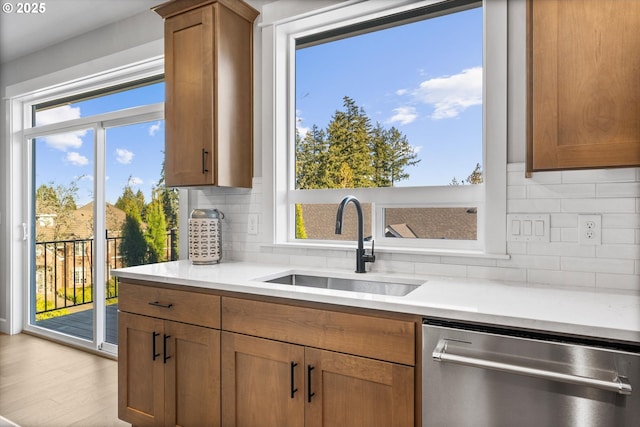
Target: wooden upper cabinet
x=583 y=84
x=209 y=92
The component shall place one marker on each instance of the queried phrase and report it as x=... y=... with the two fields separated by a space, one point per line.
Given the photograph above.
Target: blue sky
x=424 y=78
x=134 y=153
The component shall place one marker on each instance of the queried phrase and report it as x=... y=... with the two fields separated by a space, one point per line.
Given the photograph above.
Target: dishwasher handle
x=619 y=384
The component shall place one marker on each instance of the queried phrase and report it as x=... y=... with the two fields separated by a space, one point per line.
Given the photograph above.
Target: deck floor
x=80 y=324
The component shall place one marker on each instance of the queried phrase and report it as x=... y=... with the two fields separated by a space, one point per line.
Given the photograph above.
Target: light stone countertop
x=613 y=315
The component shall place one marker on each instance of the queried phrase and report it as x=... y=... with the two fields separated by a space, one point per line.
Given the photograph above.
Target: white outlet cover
x=590 y=229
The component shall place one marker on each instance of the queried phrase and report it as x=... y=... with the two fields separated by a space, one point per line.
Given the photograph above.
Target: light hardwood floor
x=46 y=384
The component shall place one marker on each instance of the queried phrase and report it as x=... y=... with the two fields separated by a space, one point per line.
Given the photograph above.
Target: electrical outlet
x=252 y=226
x=590 y=229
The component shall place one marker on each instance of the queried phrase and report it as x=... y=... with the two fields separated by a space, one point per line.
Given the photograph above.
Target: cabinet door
x=262 y=382
x=353 y=391
x=192 y=360
x=140 y=370
x=583 y=84
x=189 y=104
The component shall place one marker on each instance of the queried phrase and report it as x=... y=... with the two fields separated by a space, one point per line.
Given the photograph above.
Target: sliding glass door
x=97 y=202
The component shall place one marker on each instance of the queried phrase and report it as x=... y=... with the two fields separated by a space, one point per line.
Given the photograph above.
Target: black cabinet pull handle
x=164 y=349
x=293 y=389
x=159 y=304
x=204 y=161
x=309 y=393
x=153 y=339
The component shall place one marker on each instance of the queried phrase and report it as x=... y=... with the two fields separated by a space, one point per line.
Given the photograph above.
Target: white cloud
x=403 y=115
x=134 y=180
x=77 y=159
x=63 y=141
x=451 y=95
x=401 y=92
x=123 y=156
x=154 y=128
x=57 y=115
x=86 y=178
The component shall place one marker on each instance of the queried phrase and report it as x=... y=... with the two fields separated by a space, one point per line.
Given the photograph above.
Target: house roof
x=424 y=223
x=81 y=226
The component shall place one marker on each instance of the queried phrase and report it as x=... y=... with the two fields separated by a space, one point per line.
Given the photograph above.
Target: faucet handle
x=370 y=257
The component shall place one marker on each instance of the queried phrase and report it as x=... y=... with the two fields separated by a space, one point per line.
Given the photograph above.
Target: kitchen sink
x=392 y=288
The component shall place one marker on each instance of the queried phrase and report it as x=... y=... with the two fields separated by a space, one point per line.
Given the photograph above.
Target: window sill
x=457 y=253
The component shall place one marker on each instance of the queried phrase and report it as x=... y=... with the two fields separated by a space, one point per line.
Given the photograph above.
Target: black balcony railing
x=64 y=271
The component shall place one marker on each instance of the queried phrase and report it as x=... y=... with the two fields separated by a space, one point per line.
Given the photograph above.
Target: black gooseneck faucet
x=361 y=256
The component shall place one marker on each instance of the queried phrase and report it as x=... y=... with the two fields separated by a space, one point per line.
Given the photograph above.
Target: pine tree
x=130 y=200
x=348 y=140
x=133 y=246
x=311 y=159
x=156 y=233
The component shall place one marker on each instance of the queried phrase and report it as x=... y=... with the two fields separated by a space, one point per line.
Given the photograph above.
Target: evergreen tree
x=352 y=154
x=129 y=200
x=311 y=159
x=156 y=233
x=133 y=246
x=349 y=156
x=169 y=200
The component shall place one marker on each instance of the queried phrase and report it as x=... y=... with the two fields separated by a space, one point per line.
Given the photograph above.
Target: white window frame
x=21 y=98
x=489 y=197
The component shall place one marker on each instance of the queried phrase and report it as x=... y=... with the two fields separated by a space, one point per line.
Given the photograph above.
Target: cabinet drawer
x=181 y=306
x=369 y=336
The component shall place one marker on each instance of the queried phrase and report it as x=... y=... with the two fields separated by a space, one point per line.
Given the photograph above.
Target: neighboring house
x=65 y=264
x=421 y=223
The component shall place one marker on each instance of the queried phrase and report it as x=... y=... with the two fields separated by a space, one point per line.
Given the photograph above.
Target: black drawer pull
x=159 y=304
x=164 y=349
x=153 y=339
x=309 y=393
x=293 y=389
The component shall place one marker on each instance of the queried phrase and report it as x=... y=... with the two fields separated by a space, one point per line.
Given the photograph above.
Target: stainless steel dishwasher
x=491 y=377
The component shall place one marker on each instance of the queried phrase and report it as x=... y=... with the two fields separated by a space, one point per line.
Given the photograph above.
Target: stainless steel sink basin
x=351 y=285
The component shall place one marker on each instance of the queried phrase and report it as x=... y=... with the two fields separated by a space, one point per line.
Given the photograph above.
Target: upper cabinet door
x=583 y=84
x=209 y=92
x=189 y=106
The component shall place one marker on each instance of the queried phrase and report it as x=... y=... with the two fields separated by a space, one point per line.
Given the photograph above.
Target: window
x=389 y=103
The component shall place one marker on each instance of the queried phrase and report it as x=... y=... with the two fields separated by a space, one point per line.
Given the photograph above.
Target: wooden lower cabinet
x=262 y=382
x=357 y=392
x=168 y=372
x=270 y=383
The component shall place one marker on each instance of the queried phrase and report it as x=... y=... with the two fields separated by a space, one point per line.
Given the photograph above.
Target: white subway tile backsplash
x=497 y=273
x=564 y=220
x=562 y=278
x=433 y=269
x=560 y=249
x=599 y=175
x=534 y=206
x=612 y=193
x=607 y=205
x=619 y=236
x=618 y=281
x=618 y=189
x=561 y=191
x=598 y=265
x=543 y=262
x=618 y=251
